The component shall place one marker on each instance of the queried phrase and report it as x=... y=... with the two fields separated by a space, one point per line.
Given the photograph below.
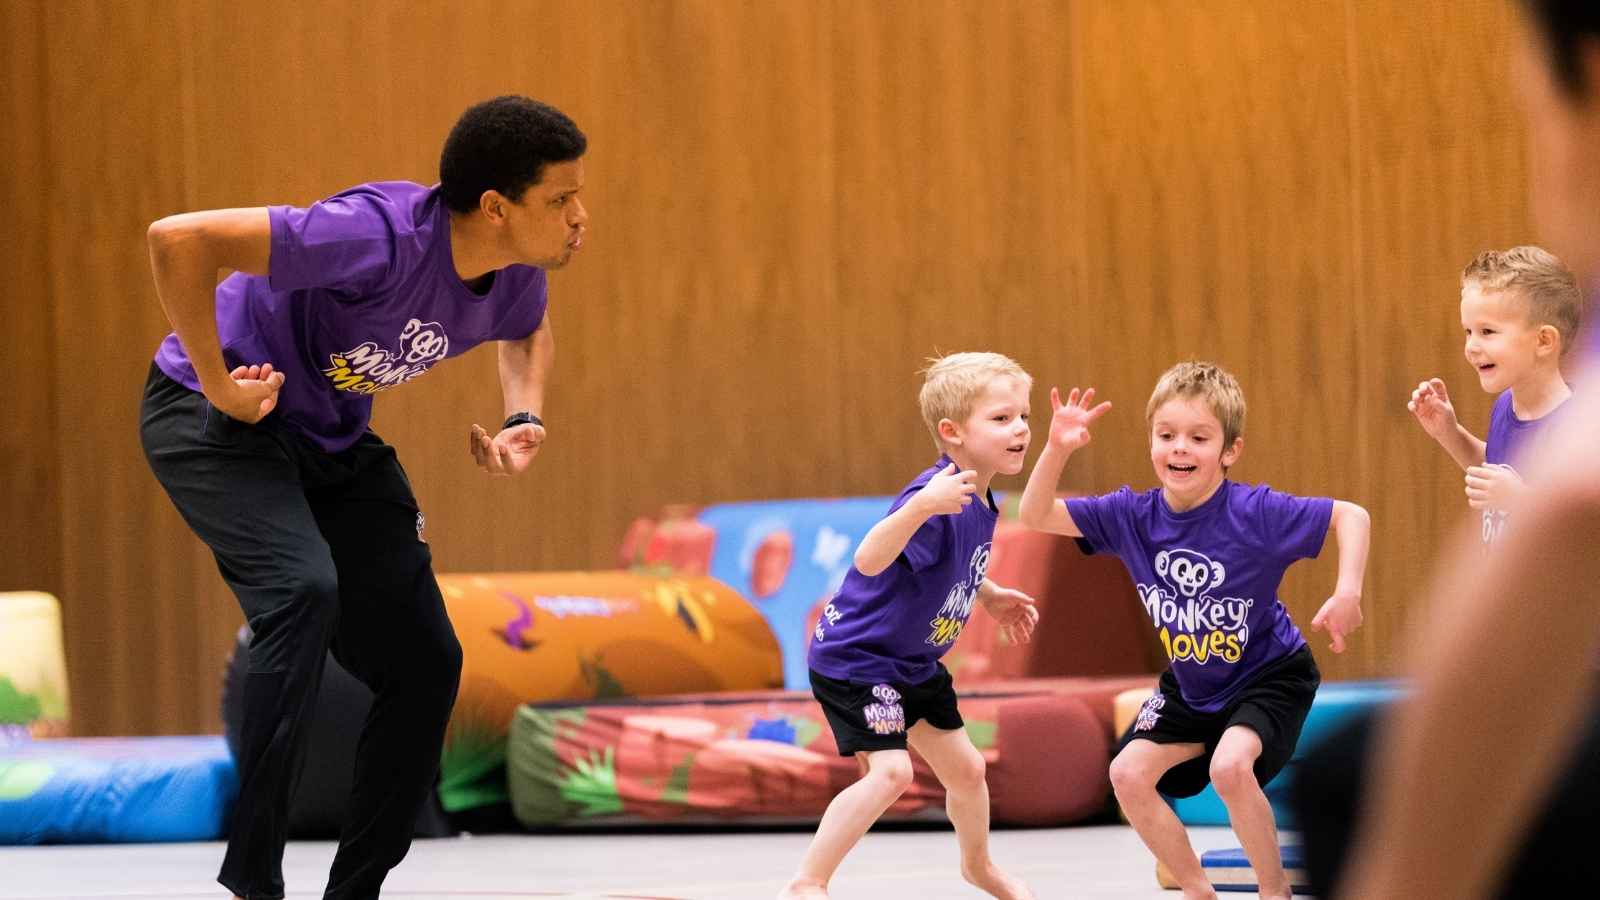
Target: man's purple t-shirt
x=1508 y=436
x=1209 y=576
x=361 y=296
x=895 y=626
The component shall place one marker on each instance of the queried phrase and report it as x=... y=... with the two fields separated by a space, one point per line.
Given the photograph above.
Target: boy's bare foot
x=996 y=883
x=1208 y=893
x=803 y=890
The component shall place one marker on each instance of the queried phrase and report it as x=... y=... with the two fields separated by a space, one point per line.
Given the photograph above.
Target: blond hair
x=1212 y=384
x=1536 y=276
x=952 y=384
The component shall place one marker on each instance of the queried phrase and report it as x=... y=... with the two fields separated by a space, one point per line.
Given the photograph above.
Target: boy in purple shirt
x=255 y=422
x=874 y=656
x=1207 y=555
x=1519 y=309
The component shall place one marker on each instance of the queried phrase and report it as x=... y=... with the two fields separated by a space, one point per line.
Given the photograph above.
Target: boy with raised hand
x=1519 y=311
x=874 y=655
x=1207 y=555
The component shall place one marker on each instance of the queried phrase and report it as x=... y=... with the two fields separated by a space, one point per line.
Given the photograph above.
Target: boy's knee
x=1233 y=774
x=894 y=772
x=1131 y=775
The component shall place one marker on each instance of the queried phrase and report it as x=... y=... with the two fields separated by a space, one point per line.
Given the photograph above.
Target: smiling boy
x=1207 y=555
x=1519 y=311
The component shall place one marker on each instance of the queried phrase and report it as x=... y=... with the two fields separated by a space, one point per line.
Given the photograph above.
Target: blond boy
x=1519 y=311
x=1207 y=555
x=874 y=656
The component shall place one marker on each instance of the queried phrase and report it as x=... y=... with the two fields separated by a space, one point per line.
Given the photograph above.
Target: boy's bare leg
x=1134 y=774
x=852 y=812
x=960 y=768
x=1233 y=775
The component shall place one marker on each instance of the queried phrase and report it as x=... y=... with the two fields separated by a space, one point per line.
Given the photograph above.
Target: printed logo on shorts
x=420 y=522
x=886 y=716
x=1149 y=713
x=369 y=368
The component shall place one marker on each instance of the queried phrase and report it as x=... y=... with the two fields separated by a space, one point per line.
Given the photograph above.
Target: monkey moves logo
x=1207 y=627
x=957 y=608
x=369 y=368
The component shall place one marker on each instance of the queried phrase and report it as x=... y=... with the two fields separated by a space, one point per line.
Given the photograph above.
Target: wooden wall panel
x=142 y=641
x=793 y=205
x=1217 y=180
x=30 y=535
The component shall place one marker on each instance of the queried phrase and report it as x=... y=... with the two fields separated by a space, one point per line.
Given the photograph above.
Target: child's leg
x=1233 y=775
x=960 y=768
x=1134 y=774
x=852 y=812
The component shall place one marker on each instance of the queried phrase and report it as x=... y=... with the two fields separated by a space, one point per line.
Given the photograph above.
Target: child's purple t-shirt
x=361 y=296
x=1508 y=437
x=895 y=626
x=1209 y=576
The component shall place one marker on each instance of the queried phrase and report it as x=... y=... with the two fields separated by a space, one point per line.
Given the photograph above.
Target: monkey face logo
x=1189 y=573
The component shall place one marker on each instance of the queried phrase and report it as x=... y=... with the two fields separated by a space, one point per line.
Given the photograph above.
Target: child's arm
x=1069 y=430
x=1011 y=609
x=1430 y=403
x=945 y=494
x=1341 y=614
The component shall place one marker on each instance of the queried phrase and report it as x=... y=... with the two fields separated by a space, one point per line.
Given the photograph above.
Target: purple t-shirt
x=894 y=626
x=1209 y=576
x=361 y=296
x=1508 y=436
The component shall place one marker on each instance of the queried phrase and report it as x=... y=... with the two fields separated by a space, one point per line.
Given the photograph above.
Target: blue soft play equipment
x=1229 y=870
x=115 y=790
x=1336 y=704
x=825 y=534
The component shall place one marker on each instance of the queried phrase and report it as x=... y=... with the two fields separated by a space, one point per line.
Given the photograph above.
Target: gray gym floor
x=1089 y=862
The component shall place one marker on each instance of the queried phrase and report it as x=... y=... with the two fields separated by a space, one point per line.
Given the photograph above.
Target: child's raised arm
x=1069 y=430
x=946 y=493
x=1430 y=403
x=1341 y=614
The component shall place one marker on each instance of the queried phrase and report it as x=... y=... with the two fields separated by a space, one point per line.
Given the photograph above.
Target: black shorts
x=1273 y=705
x=875 y=716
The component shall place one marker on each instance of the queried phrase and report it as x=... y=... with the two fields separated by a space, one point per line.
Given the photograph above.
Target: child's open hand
x=1492 y=486
x=1012 y=610
x=1340 y=616
x=1430 y=403
x=1069 y=425
x=949 y=491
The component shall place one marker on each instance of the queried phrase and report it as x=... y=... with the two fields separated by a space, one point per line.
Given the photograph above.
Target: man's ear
x=493 y=206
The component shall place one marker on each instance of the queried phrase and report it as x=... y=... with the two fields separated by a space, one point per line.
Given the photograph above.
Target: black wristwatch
x=522 y=418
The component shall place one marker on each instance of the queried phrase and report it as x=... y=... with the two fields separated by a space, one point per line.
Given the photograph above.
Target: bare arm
x=525 y=369
x=1463 y=446
x=1430 y=404
x=1341 y=614
x=1352 y=530
x=1069 y=430
x=1503 y=673
x=945 y=494
x=186 y=252
x=1039 y=508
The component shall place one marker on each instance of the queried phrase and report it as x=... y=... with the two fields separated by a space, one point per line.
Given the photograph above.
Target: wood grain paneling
x=793 y=204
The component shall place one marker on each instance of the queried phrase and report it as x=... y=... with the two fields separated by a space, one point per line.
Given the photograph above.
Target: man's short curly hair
x=503 y=145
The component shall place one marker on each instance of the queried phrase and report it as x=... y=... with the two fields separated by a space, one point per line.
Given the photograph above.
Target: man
x=255 y=421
